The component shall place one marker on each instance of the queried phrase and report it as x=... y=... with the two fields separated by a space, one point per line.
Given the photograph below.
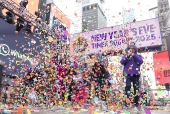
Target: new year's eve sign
x=144 y=34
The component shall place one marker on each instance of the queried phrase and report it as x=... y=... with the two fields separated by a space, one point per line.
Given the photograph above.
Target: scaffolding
x=23 y=13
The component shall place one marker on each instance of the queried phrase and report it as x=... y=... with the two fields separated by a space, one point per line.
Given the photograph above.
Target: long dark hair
x=61 y=60
x=102 y=68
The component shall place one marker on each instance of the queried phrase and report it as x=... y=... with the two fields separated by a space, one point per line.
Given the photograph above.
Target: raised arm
x=124 y=60
x=138 y=59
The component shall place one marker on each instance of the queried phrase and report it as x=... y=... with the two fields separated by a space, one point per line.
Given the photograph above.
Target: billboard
x=144 y=34
x=60 y=15
x=162 y=67
x=32 y=6
x=17 y=50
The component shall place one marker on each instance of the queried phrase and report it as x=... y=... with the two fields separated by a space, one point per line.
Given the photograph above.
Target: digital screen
x=18 y=51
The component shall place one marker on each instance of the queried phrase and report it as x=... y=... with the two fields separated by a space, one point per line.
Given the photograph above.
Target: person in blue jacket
x=132 y=62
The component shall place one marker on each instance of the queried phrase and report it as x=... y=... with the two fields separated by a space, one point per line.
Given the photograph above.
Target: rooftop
x=153 y=8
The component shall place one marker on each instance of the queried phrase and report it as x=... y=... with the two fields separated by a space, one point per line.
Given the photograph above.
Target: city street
x=86 y=111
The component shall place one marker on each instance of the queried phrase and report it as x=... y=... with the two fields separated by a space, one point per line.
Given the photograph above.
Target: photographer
x=132 y=62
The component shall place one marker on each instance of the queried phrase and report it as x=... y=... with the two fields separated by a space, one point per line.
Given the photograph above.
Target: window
x=166 y=9
x=84 y=9
x=91 y=6
x=87 y=1
x=87 y=7
x=164 y=5
x=83 y=2
x=96 y=5
x=163 y=24
x=161 y=11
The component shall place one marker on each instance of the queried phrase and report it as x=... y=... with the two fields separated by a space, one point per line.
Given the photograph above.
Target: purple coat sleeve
x=124 y=60
x=138 y=59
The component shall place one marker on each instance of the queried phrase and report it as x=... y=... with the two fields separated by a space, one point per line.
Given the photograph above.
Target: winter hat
x=132 y=46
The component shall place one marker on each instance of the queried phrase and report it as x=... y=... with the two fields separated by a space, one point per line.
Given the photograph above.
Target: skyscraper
x=163 y=7
x=93 y=15
x=128 y=15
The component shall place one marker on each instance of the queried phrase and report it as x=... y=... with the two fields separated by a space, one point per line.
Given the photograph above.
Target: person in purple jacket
x=132 y=62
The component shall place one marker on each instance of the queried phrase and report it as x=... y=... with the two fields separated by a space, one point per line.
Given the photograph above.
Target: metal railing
x=22 y=12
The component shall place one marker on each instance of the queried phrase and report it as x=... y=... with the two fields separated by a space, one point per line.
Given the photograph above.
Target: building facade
x=73 y=10
x=153 y=12
x=128 y=15
x=163 y=7
x=55 y=13
x=93 y=16
x=166 y=31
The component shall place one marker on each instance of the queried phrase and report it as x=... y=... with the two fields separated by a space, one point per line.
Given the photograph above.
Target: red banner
x=162 y=67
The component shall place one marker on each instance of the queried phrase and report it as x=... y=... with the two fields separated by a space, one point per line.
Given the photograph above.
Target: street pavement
x=83 y=111
x=165 y=110
x=87 y=112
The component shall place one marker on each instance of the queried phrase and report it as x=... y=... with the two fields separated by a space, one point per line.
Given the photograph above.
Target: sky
x=113 y=9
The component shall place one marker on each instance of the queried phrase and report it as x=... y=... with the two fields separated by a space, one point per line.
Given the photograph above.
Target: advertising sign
x=18 y=51
x=144 y=34
x=60 y=15
x=162 y=67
